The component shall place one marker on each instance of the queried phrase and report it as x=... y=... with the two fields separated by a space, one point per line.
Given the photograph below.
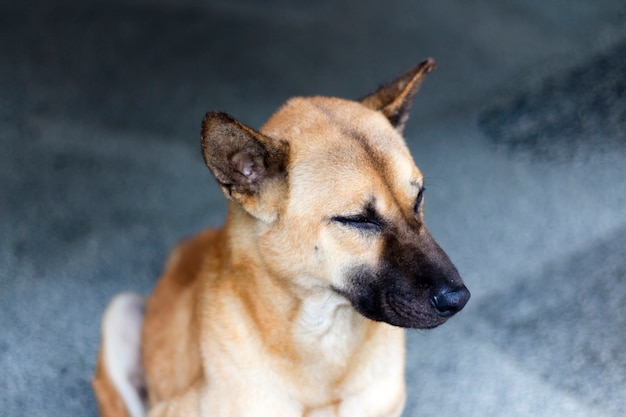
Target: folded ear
x=395 y=98
x=247 y=164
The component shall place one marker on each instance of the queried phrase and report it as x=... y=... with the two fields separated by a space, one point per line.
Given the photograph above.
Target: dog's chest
x=328 y=330
x=349 y=360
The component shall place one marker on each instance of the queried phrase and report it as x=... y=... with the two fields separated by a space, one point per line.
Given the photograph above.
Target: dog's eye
x=359 y=222
x=418 y=201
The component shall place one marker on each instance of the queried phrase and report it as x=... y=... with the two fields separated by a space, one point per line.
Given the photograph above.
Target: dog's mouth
x=394 y=308
x=403 y=302
x=409 y=312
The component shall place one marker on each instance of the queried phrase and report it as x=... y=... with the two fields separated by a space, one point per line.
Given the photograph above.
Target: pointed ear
x=245 y=162
x=395 y=98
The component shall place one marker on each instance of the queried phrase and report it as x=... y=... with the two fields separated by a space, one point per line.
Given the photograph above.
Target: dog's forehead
x=343 y=146
x=319 y=125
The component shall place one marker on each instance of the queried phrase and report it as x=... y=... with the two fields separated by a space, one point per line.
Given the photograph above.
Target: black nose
x=448 y=303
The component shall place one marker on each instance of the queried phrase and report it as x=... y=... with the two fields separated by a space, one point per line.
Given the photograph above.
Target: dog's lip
x=405 y=310
x=340 y=291
x=392 y=305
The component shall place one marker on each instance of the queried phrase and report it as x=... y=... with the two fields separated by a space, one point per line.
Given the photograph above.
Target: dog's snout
x=448 y=303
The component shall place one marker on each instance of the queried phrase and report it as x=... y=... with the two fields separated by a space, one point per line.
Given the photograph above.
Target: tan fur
x=255 y=319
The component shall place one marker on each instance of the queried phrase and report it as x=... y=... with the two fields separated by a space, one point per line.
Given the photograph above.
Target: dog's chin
x=401 y=311
x=395 y=309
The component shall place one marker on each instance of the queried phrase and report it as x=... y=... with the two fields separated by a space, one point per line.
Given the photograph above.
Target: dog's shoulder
x=188 y=257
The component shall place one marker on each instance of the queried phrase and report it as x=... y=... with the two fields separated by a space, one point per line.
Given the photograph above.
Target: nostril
x=450 y=302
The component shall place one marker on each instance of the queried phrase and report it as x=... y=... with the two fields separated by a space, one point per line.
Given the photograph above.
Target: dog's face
x=339 y=202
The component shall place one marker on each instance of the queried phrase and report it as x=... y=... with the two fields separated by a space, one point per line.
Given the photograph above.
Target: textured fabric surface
x=574 y=112
x=567 y=323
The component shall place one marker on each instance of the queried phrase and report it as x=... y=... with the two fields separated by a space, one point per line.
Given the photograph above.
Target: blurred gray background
x=521 y=133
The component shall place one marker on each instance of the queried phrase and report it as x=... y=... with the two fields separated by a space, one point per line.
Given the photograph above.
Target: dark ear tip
x=213 y=118
x=427 y=65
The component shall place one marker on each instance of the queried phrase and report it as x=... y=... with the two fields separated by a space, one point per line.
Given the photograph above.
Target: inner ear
x=251 y=171
x=395 y=98
x=240 y=158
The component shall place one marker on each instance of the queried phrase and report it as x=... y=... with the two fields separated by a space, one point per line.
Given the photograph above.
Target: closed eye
x=418 y=201
x=364 y=223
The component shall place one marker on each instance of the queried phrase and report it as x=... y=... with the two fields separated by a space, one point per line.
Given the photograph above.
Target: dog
x=297 y=305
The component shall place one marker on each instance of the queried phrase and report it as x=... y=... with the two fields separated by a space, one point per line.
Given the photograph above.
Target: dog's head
x=333 y=200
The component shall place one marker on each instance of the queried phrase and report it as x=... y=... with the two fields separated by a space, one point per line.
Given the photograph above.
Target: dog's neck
x=321 y=323
x=328 y=326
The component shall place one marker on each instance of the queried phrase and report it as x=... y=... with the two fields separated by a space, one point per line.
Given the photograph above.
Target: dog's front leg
x=184 y=405
x=205 y=401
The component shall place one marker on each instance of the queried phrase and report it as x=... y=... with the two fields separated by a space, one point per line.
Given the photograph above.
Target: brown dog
x=296 y=306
